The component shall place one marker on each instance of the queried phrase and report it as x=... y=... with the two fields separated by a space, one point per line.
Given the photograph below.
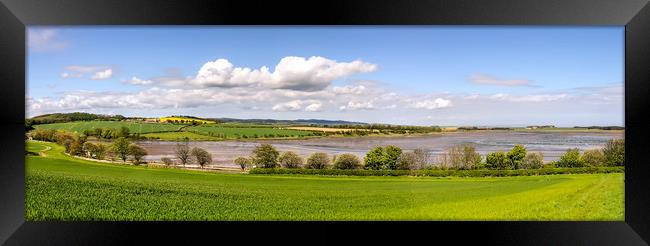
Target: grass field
x=62 y=188
x=179 y=136
x=134 y=127
x=230 y=132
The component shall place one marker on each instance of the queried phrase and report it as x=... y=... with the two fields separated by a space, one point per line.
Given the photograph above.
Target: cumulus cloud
x=482 y=79
x=432 y=104
x=105 y=74
x=292 y=72
x=44 y=40
x=349 y=89
x=297 y=105
x=136 y=81
x=356 y=105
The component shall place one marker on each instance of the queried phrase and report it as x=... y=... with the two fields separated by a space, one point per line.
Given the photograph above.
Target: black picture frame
x=15 y=15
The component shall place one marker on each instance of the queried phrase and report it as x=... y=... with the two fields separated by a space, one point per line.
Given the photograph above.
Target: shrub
x=571 y=158
x=265 y=155
x=593 y=157
x=516 y=156
x=391 y=154
x=347 y=161
x=290 y=159
x=243 y=162
x=167 y=161
x=183 y=152
x=422 y=157
x=318 y=161
x=137 y=152
x=374 y=159
x=614 y=152
x=121 y=148
x=201 y=156
x=533 y=160
x=89 y=148
x=407 y=161
x=497 y=160
x=100 y=151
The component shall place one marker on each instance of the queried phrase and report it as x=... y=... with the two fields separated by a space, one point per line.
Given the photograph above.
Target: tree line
x=460 y=157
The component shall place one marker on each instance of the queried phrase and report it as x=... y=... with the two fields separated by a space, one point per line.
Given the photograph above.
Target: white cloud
x=70 y=75
x=292 y=72
x=106 y=74
x=529 y=98
x=78 y=71
x=357 y=89
x=136 y=81
x=482 y=79
x=44 y=40
x=432 y=104
x=356 y=105
x=297 y=105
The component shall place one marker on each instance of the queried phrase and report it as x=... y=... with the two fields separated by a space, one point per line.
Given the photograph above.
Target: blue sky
x=441 y=75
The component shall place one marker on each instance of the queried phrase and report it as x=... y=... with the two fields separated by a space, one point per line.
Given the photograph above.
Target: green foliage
x=381 y=158
x=497 y=160
x=516 y=156
x=593 y=157
x=121 y=148
x=571 y=158
x=318 y=161
x=614 y=152
x=347 y=161
x=201 y=156
x=290 y=159
x=265 y=155
x=124 y=132
x=137 y=152
x=533 y=160
x=374 y=159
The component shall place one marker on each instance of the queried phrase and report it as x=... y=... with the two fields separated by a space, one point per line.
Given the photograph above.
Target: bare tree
x=183 y=152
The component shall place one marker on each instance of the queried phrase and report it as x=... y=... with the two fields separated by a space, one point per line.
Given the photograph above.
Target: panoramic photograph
x=324 y=123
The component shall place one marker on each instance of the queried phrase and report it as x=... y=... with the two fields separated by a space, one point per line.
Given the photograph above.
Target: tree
x=391 y=154
x=124 y=132
x=89 y=149
x=374 y=159
x=121 y=148
x=614 y=152
x=243 y=162
x=265 y=155
x=201 y=156
x=407 y=161
x=347 y=161
x=471 y=159
x=183 y=152
x=593 y=157
x=137 y=152
x=571 y=158
x=422 y=158
x=318 y=161
x=516 y=156
x=497 y=160
x=290 y=159
x=100 y=151
x=76 y=146
x=533 y=160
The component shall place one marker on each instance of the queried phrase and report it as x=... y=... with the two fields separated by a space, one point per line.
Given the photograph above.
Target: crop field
x=134 y=127
x=325 y=129
x=59 y=187
x=233 y=132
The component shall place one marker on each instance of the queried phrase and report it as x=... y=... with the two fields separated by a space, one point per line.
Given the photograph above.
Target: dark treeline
x=69 y=117
x=601 y=127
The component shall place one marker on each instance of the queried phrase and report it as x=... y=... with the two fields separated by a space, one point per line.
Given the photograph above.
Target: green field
x=134 y=127
x=178 y=136
x=231 y=132
x=62 y=188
